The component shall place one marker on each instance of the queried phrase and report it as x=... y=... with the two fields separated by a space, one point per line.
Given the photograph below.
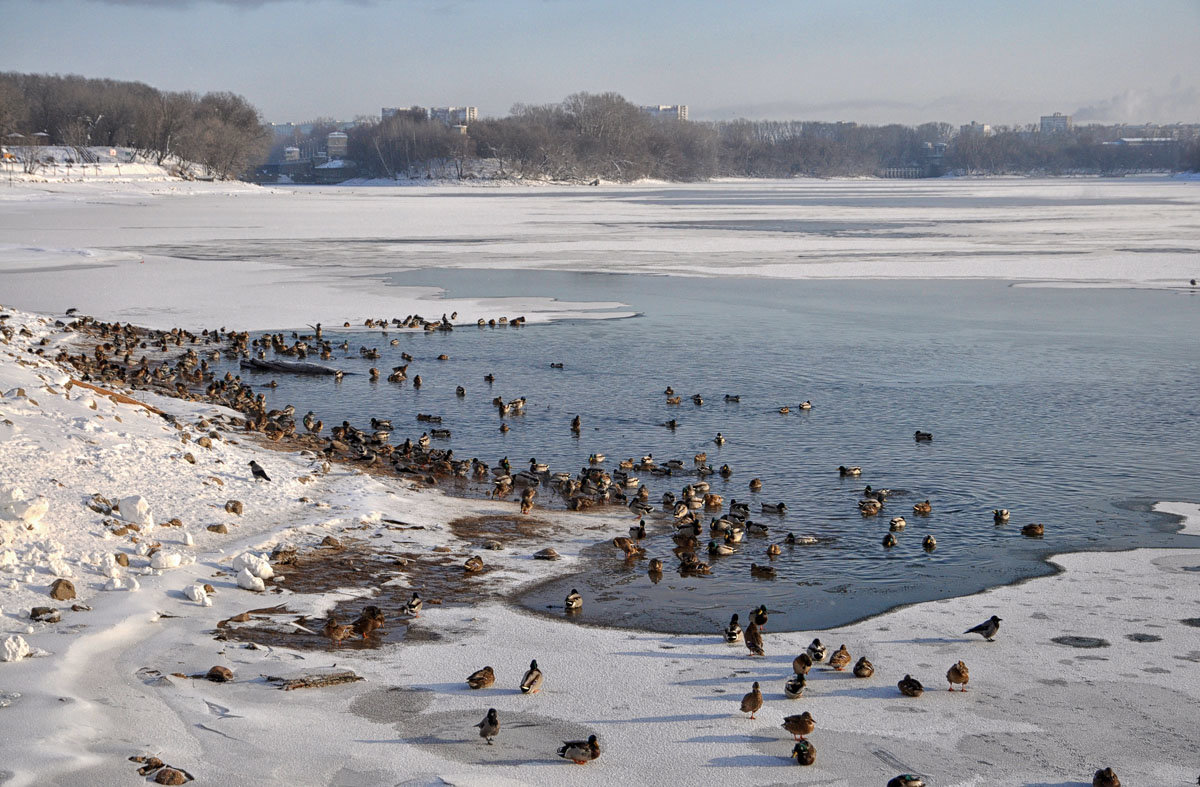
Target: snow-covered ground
x=665 y=708
x=197 y=254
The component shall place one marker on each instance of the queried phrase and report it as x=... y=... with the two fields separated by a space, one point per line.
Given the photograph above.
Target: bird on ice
x=987 y=629
x=489 y=728
x=258 y=472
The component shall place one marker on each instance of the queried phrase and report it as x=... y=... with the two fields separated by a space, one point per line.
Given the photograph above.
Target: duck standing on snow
x=733 y=632
x=906 y=780
x=759 y=616
x=489 y=728
x=839 y=658
x=799 y=725
x=481 y=679
x=1106 y=777
x=752 y=702
x=532 y=682
x=794 y=688
x=580 y=752
x=816 y=651
x=804 y=752
x=802 y=664
x=754 y=640
x=958 y=674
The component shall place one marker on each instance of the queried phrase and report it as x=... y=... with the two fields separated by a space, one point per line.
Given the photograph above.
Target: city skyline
x=867 y=61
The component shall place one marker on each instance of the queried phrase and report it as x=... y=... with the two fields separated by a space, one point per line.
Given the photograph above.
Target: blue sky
x=870 y=61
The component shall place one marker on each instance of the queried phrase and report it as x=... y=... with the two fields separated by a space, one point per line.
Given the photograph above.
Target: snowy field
x=80 y=696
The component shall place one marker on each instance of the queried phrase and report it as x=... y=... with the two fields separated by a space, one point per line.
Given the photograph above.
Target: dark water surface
x=1072 y=407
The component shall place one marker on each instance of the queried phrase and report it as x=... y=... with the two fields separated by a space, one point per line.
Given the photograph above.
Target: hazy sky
x=995 y=61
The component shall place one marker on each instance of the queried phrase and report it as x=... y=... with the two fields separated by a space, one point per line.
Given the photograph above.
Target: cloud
x=180 y=4
x=1178 y=104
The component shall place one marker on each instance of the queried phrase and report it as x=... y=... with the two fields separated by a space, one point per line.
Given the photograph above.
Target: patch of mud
x=1139 y=637
x=391 y=705
x=517 y=530
x=1081 y=642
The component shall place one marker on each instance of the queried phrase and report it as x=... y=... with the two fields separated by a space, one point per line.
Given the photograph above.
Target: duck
x=1033 y=531
x=958 y=675
x=733 y=397
x=697 y=399
x=929 y=543
x=910 y=686
x=774 y=508
x=719 y=439
x=802 y=664
x=733 y=632
x=700 y=458
x=804 y=752
x=757 y=528
x=923 y=437
x=580 y=752
x=532 y=682
x=1000 y=515
x=576 y=424
x=595 y=459
x=370 y=620
x=793 y=689
x=726 y=471
x=816 y=651
x=656 y=566
x=413 y=607
x=784 y=410
x=863 y=668
x=460 y=391
x=773 y=550
x=1105 y=778
x=754 y=640
x=481 y=679
x=843 y=470
x=839 y=659
x=805 y=405
x=474 y=564
x=877 y=494
x=906 y=780
x=799 y=725
x=987 y=629
x=889 y=540
x=755 y=484
x=638 y=531
x=897 y=524
x=923 y=508
x=336 y=632
x=869 y=507
x=627 y=545
x=759 y=616
x=489 y=728
x=720 y=549
x=669 y=391
x=762 y=572
x=574 y=601
x=538 y=467
x=752 y=702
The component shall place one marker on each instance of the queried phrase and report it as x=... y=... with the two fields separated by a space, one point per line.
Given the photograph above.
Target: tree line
x=220 y=131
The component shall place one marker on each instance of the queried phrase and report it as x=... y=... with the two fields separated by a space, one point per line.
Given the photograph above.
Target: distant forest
x=584 y=137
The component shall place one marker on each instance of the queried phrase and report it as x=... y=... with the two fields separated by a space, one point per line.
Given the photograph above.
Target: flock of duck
x=190 y=375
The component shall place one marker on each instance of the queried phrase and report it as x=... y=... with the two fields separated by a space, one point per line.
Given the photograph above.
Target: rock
x=173 y=522
x=134 y=508
x=191 y=460
x=548 y=553
x=443 y=548
x=100 y=504
x=284 y=554
x=209 y=589
x=234 y=507
x=221 y=528
x=8 y=560
x=15 y=648
x=45 y=615
x=170 y=775
x=330 y=541
x=247 y=581
x=204 y=442
x=219 y=674
x=121 y=559
x=80 y=608
x=493 y=545
x=62 y=590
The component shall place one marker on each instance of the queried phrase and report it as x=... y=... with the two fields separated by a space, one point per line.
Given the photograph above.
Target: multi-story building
x=454 y=116
x=335 y=144
x=1058 y=123
x=973 y=128
x=676 y=111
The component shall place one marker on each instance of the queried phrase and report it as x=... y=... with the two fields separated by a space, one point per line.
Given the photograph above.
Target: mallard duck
x=527 y=497
x=802 y=664
x=922 y=437
x=923 y=508
x=889 y=540
x=336 y=632
x=762 y=572
x=805 y=752
x=625 y=464
x=734 y=535
x=869 y=507
x=929 y=543
x=532 y=682
x=897 y=524
x=910 y=686
x=370 y=620
x=1105 y=778
x=538 y=467
x=726 y=471
x=595 y=459
x=474 y=564
x=774 y=508
x=700 y=458
x=576 y=424
x=773 y=550
x=489 y=728
x=733 y=632
x=757 y=528
x=958 y=674
x=759 y=616
x=697 y=399
x=849 y=471
x=784 y=410
x=877 y=494
x=674 y=400
x=733 y=397
x=839 y=658
x=987 y=629
x=755 y=484
x=656 y=566
x=799 y=725
x=805 y=405
x=413 y=607
x=714 y=501
x=816 y=651
x=481 y=679
x=793 y=689
x=906 y=780
x=574 y=600
x=669 y=392
x=754 y=640
x=1000 y=515
x=580 y=752
x=863 y=668
x=752 y=702
x=719 y=439
x=638 y=531
x=1033 y=531
x=720 y=549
